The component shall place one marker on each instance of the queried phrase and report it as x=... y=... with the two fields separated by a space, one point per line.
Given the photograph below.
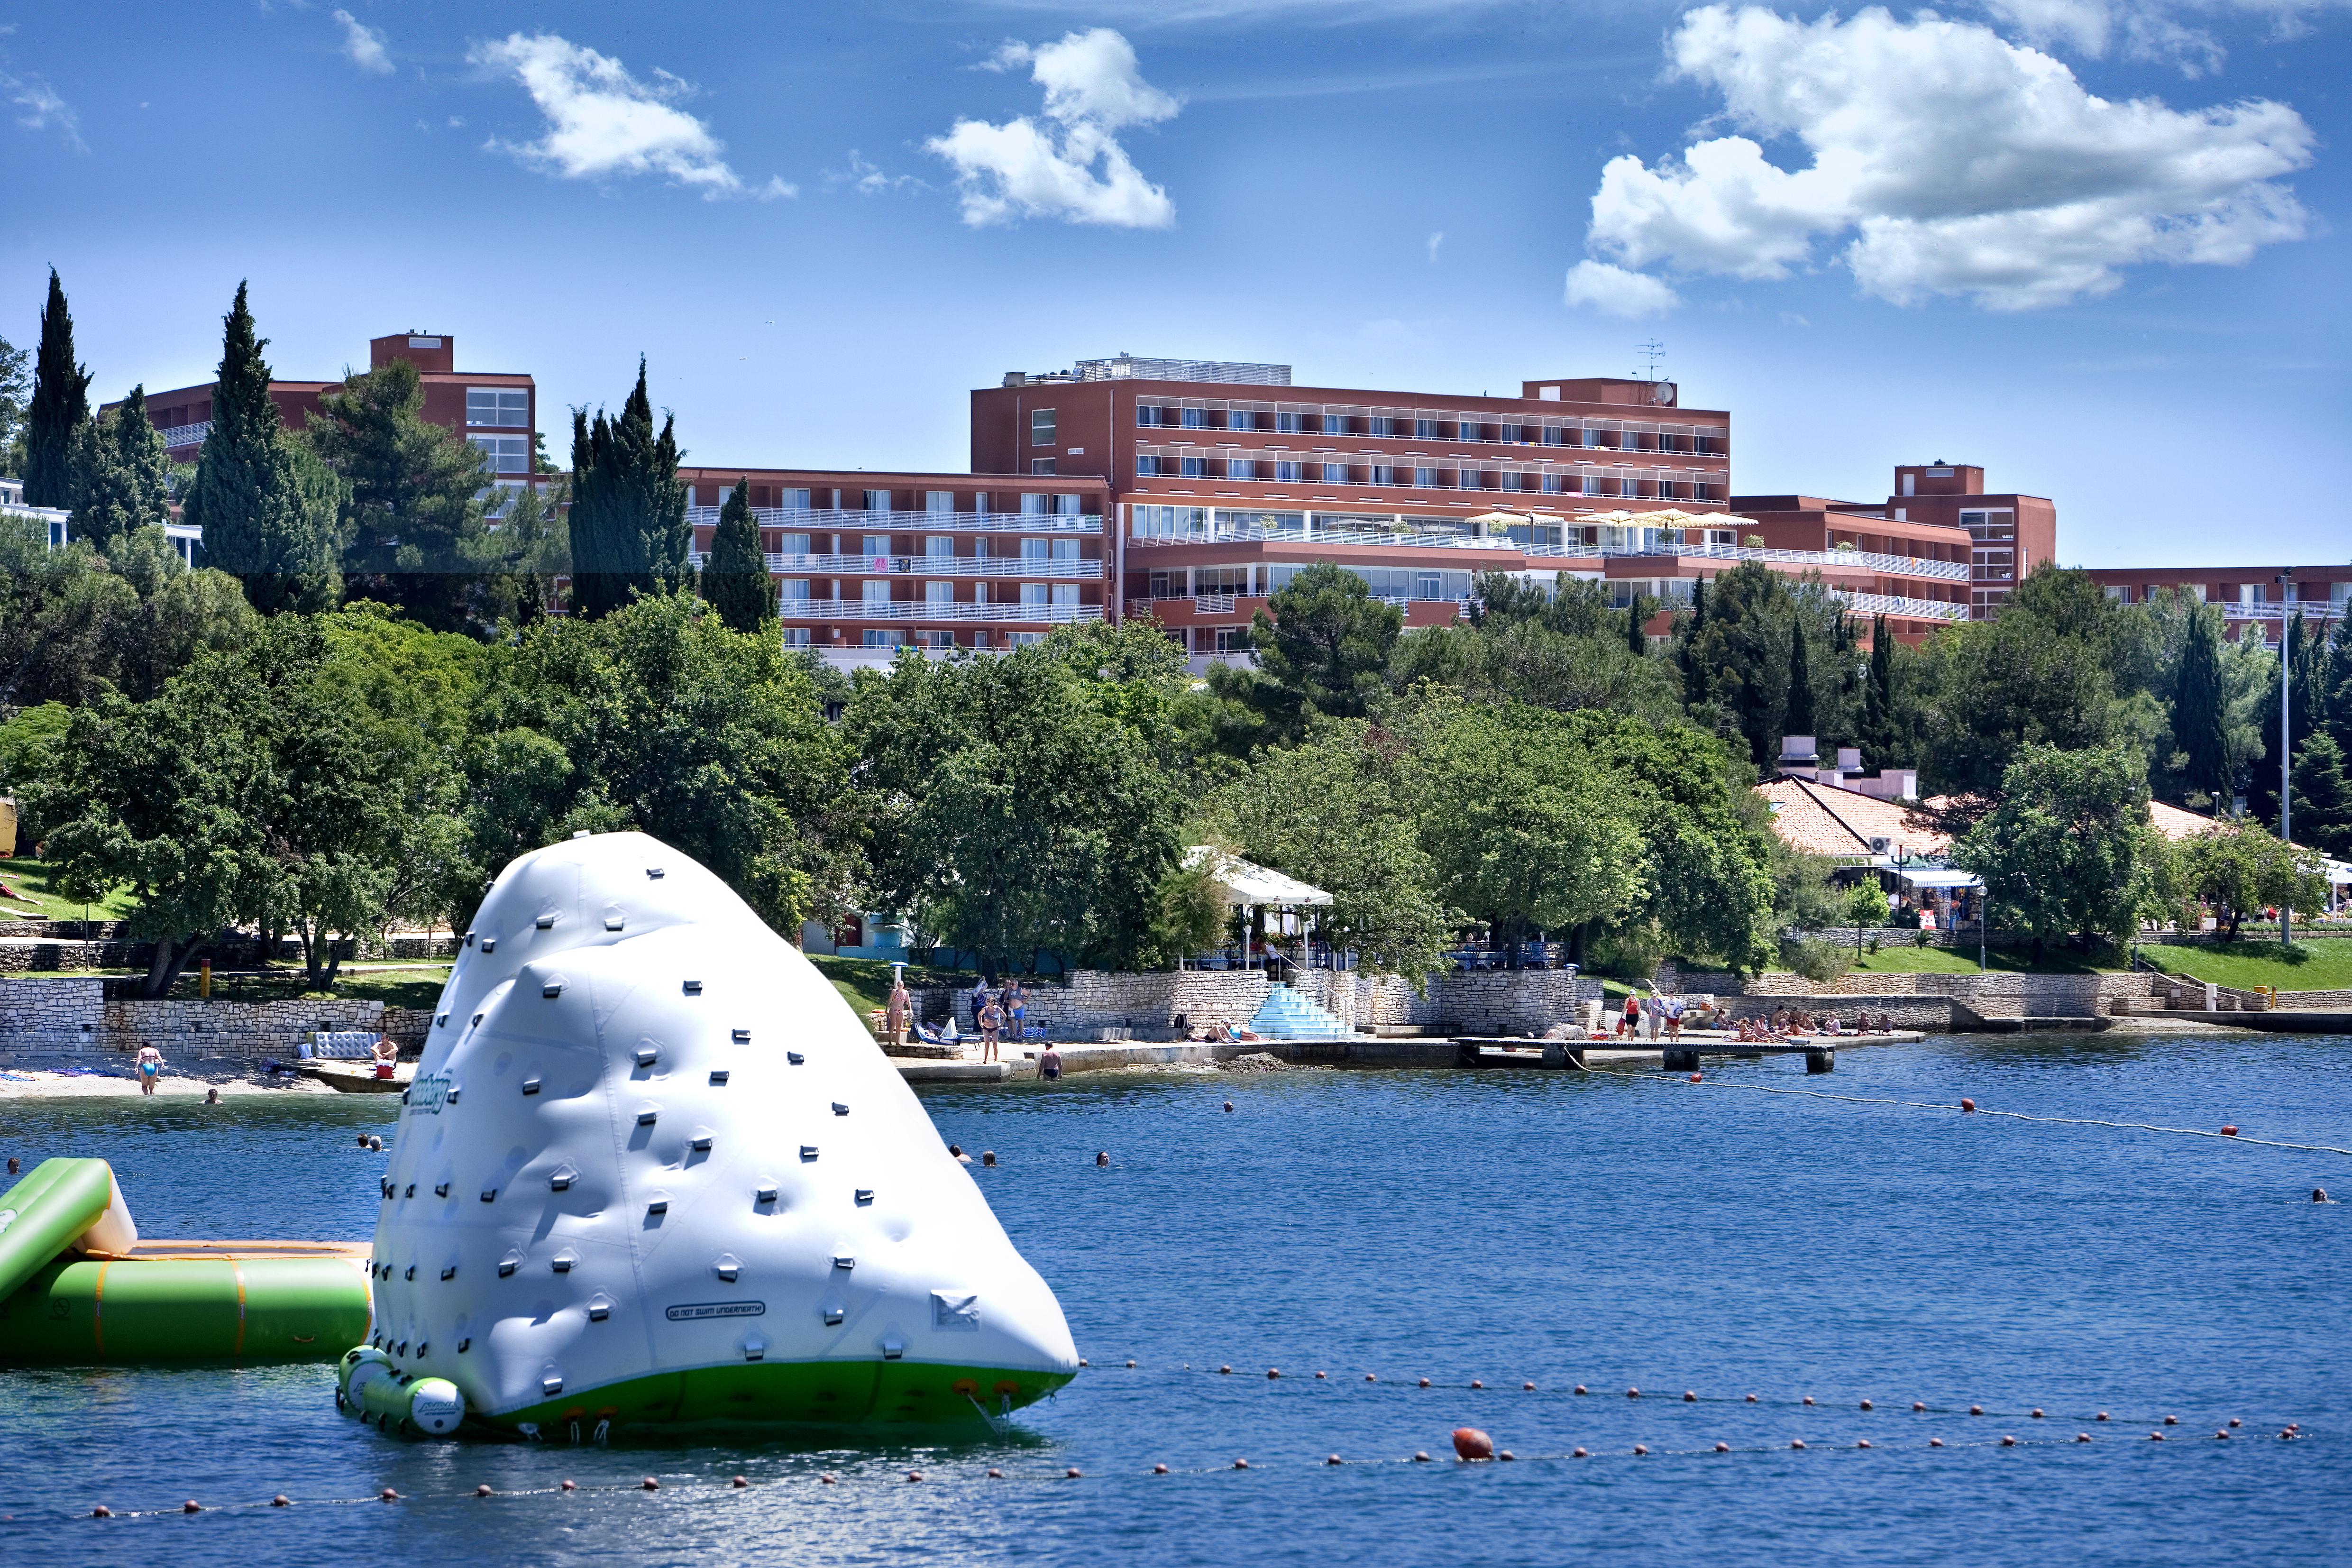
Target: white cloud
x=1958 y=163
x=602 y=122
x=1094 y=88
x=364 y=45
x=1613 y=292
x=1434 y=241
x=2148 y=29
x=40 y=108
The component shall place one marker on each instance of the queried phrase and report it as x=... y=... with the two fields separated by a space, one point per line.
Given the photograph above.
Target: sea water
x=1509 y=1228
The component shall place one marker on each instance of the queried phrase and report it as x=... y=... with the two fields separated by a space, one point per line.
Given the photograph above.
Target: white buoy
x=654 y=1171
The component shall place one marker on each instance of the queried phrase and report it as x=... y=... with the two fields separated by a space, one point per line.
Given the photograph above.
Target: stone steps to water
x=1286 y=1016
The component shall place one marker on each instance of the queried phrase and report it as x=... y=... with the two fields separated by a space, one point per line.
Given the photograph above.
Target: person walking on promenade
x=894 y=1012
x=1630 y=1022
x=991 y=1019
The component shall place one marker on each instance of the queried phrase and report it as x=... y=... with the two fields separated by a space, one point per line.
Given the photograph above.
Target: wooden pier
x=1680 y=1055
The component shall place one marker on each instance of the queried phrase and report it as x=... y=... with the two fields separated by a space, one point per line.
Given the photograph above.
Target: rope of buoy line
x=2228 y=1134
x=1472 y=1447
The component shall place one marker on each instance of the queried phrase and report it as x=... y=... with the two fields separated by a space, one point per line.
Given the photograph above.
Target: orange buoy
x=1694 y=1077
x=1476 y=1383
x=1967 y=1105
x=101 y=1512
x=2228 y=1131
x=1470 y=1443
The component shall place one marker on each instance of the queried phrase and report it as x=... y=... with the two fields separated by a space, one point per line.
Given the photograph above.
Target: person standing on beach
x=150 y=1066
x=991 y=1019
x=894 y=1012
x=981 y=997
x=1017 y=1003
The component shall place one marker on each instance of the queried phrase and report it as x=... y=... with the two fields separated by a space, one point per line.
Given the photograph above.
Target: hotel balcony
x=1032 y=566
x=1157 y=532
x=824 y=520
x=1897 y=605
x=1850 y=560
x=933 y=610
x=178 y=435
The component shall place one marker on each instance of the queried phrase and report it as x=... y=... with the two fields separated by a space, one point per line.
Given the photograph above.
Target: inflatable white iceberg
x=654 y=1171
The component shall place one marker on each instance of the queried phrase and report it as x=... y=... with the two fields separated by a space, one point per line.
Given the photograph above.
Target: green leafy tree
x=2323 y=797
x=60 y=407
x=2068 y=848
x=534 y=552
x=629 y=520
x=121 y=480
x=15 y=390
x=1323 y=643
x=2242 y=867
x=268 y=506
x=1519 y=644
x=74 y=623
x=2198 y=711
x=1738 y=655
x=1332 y=812
x=735 y=581
x=413 y=516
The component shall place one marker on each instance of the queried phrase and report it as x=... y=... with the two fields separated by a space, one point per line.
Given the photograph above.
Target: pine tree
x=60 y=407
x=2323 y=797
x=1694 y=667
x=629 y=526
x=1637 y=620
x=265 y=502
x=2196 y=710
x=1799 y=714
x=1878 y=737
x=120 y=476
x=735 y=581
x=2300 y=659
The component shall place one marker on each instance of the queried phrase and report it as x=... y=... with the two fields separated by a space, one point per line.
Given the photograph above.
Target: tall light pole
x=2286 y=746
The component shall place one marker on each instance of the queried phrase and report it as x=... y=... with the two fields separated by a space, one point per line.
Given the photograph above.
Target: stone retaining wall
x=1496 y=1002
x=1992 y=995
x=1932 y=1013
x=1093 y=1002
x=48 y=1015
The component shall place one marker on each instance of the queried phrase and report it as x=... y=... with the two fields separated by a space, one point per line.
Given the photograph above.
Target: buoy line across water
x=1966 y=1108
x=741 y=1485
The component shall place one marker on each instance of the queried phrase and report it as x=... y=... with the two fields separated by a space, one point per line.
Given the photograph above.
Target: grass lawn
x=2322 y=965
x=1949 y=960
x=417 y=985
x=32 y=877
x=865 y=983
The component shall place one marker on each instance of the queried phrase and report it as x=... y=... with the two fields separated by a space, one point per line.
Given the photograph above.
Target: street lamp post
x=2287 y=748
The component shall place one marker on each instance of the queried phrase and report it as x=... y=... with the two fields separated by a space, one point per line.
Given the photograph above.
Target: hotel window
x=1232 y=639
x=1066 y=593
x=1425 y=430
x=1335 y=425
x=1240 y=419
x=939 y=503
x=1033 y=550
x=1148 y=467
x=939 y=593
x=935 y=639
x=1040 y=427
x=1035 y=503
x=1470 y=430
x=878 y=636
x=1024 y=639
x=1290 y=473
x=1387 y=474
x=1065 y=549
x=1290 y=423
x=792 y=544
x=506 y=406
x=1559 y=436
x=1381 y=425
x=796 y=636
x=1196 y=419
x=1335 y=473
x=877 y=500
x=1194 y=467
x=939 y=544
x=1041 y=465
x=1033 y=593
x=1239 y=469
x=792 y=499
x=506 y=454
x=1150 y=414
x=875 y=593
x=1070 y=506
x=793 y=590
x=1426 y=479
x=878 y=552
x=1425 y=585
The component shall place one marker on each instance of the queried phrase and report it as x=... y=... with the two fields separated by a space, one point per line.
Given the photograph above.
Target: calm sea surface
x=1511 y=1227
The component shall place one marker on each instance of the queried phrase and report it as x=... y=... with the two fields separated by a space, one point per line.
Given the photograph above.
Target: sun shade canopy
x=1244 y=883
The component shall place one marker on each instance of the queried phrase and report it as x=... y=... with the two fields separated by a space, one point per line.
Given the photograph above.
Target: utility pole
x=2286 y=745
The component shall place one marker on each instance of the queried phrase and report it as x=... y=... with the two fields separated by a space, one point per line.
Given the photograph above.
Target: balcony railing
x=1156 y=533
x=1852 y=560
x=929 y=610
x=1199 y=604
x=1897 y=605
x=943 y=566
x=186 y=435
x=2279 y=610
x=832 y=519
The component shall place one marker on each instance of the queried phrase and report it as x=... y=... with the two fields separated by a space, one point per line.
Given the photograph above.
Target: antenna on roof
x=1652 y=350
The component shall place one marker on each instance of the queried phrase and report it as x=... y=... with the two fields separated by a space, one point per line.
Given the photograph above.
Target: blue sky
x=2096 y=246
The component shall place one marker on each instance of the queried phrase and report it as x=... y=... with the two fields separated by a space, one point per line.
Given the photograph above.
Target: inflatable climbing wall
x=653 y=1170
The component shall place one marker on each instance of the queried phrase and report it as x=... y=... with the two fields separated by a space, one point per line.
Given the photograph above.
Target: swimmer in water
x=960 y=1157
x=2319 y=1195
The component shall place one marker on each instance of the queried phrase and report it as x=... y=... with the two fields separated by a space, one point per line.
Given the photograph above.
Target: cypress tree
x=1694 y=667
x=1878 y=697
x=736 y=580
x=60 y=407
x=264 y=501
x=2196 y=710
x=120 y=476
x=2299 y=659
x=1636 y=618
x=1800 y=713
x=629 y=526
